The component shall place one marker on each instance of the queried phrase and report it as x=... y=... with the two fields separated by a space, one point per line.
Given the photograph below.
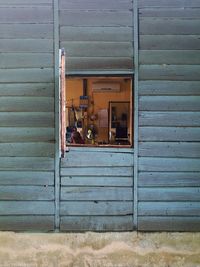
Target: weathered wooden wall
x=26 y=115
x=97 y=35
x=169 y=115
x=97 y=190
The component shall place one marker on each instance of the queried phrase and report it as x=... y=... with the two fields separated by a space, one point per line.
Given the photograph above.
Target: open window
x=98 y=111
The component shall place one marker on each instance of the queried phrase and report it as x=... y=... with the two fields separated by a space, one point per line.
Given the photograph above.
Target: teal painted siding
x=26 y=116
x=97 y=190
x=169 y=122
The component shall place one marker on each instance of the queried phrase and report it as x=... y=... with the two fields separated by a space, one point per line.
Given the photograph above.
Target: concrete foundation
x=128 y=249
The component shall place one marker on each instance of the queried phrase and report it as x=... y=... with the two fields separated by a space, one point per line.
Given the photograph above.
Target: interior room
x=99 y=111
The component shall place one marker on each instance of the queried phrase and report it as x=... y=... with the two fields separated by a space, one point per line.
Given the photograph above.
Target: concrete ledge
x=128 y=249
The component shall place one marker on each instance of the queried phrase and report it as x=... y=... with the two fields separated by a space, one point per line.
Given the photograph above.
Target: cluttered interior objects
x=99 y=111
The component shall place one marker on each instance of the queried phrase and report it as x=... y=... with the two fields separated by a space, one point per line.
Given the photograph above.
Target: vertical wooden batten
x=136 y=114
x=57 y=114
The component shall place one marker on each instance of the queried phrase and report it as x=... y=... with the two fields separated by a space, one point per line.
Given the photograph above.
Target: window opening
x=99 y=111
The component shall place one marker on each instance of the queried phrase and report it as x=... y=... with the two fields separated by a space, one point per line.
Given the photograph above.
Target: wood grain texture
x=26 y=31
x=170 y=72
x=26 y=104
x=25 y=60
x=26 y=164
x=169 y=208
x=92 y=171
x=170 y=194
x=88 y=159
x=26 y=178
x=96 y=5
x=104 y=34
x=169 y=3
x=91 y=208
x=169 y=134
x=168 y=12
x=25 y=3
x=169 y=42
x=165 y=26
x=182 y=57
x=32 y=75
x=170 y=149
x=166 y=164
x=169 y=103
x=169 y=223
x=38 y=149
x=26 y=134
x=26 y=192
x=169 y=179
x=26 y=208
x=27 y=223
x=99 y=63
x=96 y=18
x=27 y=119
x=96 y=223
x=179 y=88
x=97 y=181
x=26 y=15
x=96 y=193
x=98 y=49
x=185 y=119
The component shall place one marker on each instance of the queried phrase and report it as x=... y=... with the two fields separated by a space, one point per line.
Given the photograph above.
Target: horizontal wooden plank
x=27 y=119
x=25 y=2
x=96 y=193
x=169 y=134
x=98 y=63
x=169 y=72
x=167 y=179
x=26 y=104
x=97 y=181
x=168 y=12
x=104 y=34
x=26 y=45
x=100 y=149
x=27 y=89
x=26 y=31
x=96 y=5
x=96 y=223
x=165 y=26
x=25 y=60
x=27 y=223
x=26 y=164
x=26 y=192
x=26 y=134
x=184 y=57
x=172 y=118
x=170 y=149
x=90 y=159
x=169 y=3
x=169 y=42
x=169 y=103
x=26 y=178
x=98 y=49
x=26 y=208
x=26 y=75
x=26 y=15
x=38 y=149
x=96 y=18
x=169 y=87
x=169 y=208
x=169 y=223
x=90 y=208
x=168 y=164
x=169 y=194
x=95 y=171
